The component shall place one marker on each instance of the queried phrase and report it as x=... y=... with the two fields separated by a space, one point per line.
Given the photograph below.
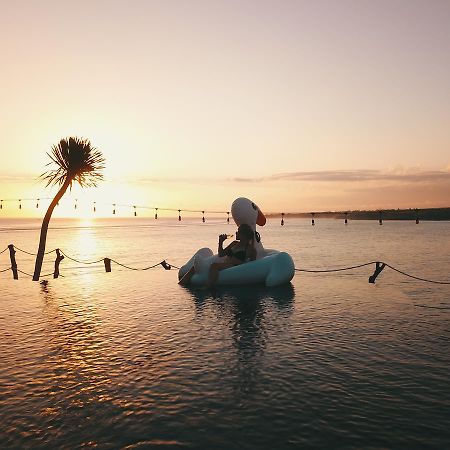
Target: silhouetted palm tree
x=77 y=161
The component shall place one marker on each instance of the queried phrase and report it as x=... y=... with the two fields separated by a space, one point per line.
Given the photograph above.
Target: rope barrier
x=377 y=263
x=3 y=251
x=107 y=261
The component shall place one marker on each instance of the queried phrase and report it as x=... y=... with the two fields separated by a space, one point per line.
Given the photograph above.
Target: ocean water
x=130 y=359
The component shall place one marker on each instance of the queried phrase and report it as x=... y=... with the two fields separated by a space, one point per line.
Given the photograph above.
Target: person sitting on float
x=238 y=252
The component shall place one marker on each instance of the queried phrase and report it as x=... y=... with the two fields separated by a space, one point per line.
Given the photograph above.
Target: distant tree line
x=386 y=214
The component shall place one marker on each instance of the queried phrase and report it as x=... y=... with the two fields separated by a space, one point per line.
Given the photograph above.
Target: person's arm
x=223 y=251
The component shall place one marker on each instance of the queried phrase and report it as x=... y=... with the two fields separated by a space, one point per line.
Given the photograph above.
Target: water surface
x=129 y=359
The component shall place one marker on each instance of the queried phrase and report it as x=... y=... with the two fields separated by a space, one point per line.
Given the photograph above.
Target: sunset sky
x=299 y=105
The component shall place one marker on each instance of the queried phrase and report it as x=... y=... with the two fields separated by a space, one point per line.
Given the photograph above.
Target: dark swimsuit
x=240 y=254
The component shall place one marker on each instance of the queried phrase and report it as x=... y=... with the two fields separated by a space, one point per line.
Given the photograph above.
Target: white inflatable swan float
x=271 y=267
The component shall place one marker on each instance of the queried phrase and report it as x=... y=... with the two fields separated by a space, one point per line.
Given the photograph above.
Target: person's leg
x=214 y=270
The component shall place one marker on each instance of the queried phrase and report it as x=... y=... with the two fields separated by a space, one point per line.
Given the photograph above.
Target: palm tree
x=77 y=161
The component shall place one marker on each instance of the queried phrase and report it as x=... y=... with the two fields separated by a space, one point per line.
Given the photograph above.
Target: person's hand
x=222 y=238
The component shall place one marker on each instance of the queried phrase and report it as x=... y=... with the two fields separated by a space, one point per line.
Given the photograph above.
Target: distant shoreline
x=437 y=214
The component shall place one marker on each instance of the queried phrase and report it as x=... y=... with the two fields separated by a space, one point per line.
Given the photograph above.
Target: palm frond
x=77 y=161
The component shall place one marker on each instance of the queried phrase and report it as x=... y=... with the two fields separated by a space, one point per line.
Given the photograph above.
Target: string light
x=204 y=212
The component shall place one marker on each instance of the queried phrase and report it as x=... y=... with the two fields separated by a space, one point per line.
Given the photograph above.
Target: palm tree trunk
x=44 y=228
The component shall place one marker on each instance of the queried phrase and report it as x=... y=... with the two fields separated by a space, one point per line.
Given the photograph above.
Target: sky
x=299 y=105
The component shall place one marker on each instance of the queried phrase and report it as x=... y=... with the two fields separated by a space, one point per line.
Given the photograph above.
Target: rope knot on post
x=166 y=265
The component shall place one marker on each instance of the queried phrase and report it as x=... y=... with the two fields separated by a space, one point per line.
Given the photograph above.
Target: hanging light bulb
x=282 y=219
x=20 y=204
x=135 y=213
x=95 y=209
x=346 y=221
x=37 y=203
x=114 y=208
x=312 y=220
x=1 y=204
x=156 y=213
x=75 y=206
x=203 y=218
x=179 y=215
x=228 y=218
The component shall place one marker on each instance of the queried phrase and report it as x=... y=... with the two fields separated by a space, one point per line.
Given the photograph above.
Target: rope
x=336 y=270
x=3 y=251
x=370 y=263
x=81 y=262
x=417 y=278
x=25 y=273
x=133 y=268
x=33 y=254
x=4 y=270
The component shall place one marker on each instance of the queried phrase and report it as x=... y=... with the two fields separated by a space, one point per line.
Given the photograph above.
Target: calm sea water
x=129 y=359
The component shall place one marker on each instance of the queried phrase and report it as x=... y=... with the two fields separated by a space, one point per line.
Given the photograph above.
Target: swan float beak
x=261 y=219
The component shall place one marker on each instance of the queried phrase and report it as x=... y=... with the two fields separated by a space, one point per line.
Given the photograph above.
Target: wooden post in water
x=58 y=259
x=12 y=255
x=107 y=262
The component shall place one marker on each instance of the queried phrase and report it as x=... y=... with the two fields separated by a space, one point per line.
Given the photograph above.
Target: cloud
x=18 y=178
x=406 y=176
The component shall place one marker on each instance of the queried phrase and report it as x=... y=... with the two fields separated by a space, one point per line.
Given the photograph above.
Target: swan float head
x=244 y=210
